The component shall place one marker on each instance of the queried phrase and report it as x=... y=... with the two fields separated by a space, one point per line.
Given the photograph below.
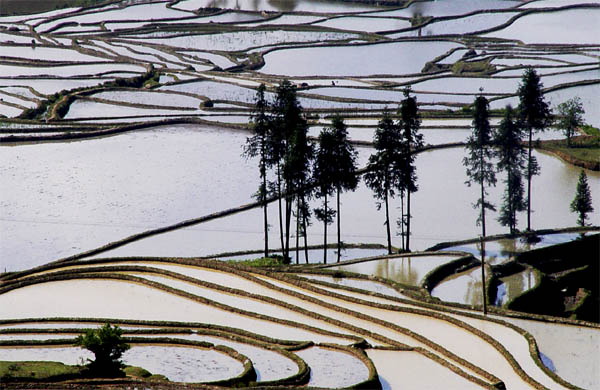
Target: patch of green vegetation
x=274 y=261
x=137 y=372
x=473 y=67
x=37 y=371
x=583 y=149
x=590 y=130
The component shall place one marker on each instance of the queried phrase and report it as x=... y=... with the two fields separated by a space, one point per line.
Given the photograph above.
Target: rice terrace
x=281 y=194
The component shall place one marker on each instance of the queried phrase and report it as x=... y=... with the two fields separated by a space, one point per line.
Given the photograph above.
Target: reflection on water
x=464 y=287
x=575 y=358
x=498 y=251
x=514 y=285
x=405 y=270
x=547 y=362
x=316 y=255
x=70 y=197
x=284 y=5
x=361 y=284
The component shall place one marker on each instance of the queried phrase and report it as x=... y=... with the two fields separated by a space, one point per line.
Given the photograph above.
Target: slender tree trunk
x=402 y=232
x=280 y=212
x=529 y=183
x=289 y=200
x=511 y=212
x=482 y=210
x=325 y=233
x=481 y=184
x=305 y=231
x=339 y=236
x=483 y=276
x=387 y=223
x=298 y=230
x=408 y=221
x=266 y=223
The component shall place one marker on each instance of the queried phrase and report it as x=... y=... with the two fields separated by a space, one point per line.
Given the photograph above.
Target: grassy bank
x=38 y=371
x=56 y=372
x=583 y=152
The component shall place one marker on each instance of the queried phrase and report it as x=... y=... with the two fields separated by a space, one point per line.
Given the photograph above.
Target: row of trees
x=516 y=129
x=391 y=169
x=293 y=170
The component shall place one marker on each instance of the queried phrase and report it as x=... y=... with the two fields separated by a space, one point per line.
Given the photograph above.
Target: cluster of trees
x=512 y=145
x=293 y=170
x=514 y=159
x=391 y=169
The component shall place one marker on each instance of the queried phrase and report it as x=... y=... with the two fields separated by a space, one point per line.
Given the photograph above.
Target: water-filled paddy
x=550 y=27
x=284 y=6
x=498 y=251
x=170 y=192
x=365 y=23
x=145 y=12
x=405 y=270
x=384 y=58
x=333 y=369
x=404 y=368
x=464 y=287
x=67 y=70
x=69 y=197
x=184 y=364
x=243 y=40
x=447 y=8
x=64 y=221
x=66 y=355
x=514 y=285
x=86 y=109
x=362 y=284
x=468 y=25
x=576 y=357
x=140 y=302
x=48 y=53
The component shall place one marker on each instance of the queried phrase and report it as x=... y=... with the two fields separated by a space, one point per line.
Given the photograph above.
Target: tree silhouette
x=570 y=117
x=324 y=176
x=477 y=162
x=334 y=170
x=480 y=170
x=296 y=160
x=287 y=118
x=534 y=115
x=383 y=175
x=107 y=346
x=582 y=203
x=511 y=159
x=410 y=140
x=259 y=145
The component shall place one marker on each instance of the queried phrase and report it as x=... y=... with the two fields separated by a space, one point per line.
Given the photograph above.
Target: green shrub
x=107 y=345
x=272 y=261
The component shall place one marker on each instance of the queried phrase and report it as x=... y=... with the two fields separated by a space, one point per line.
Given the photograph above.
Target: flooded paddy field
x=122 y=127
x=339 y=311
